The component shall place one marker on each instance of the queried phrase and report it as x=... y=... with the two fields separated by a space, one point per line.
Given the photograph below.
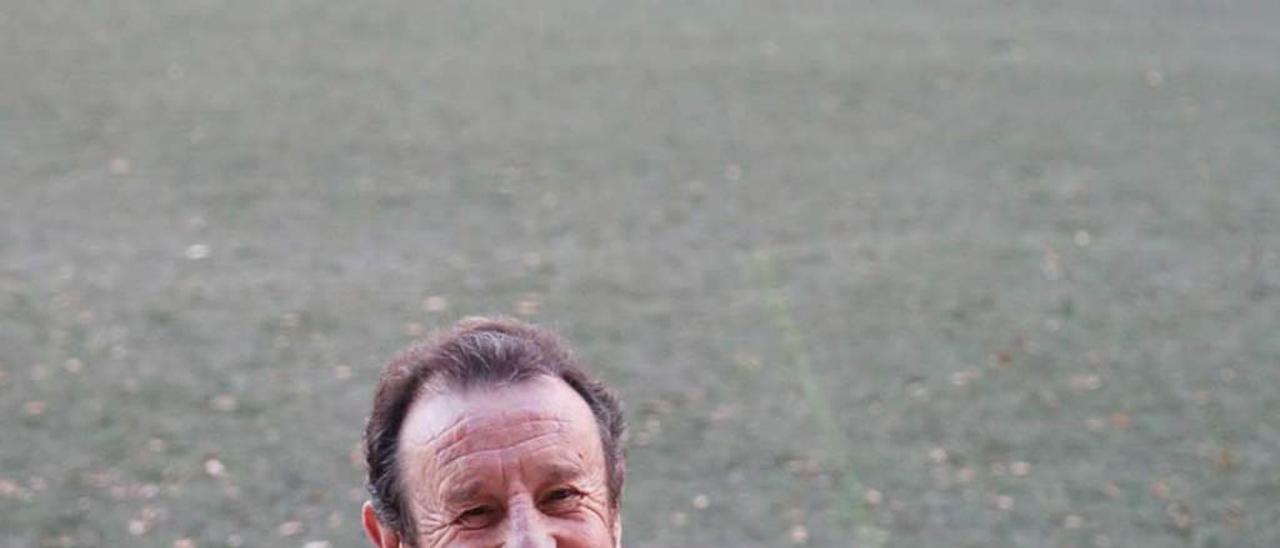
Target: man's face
x=520 y=466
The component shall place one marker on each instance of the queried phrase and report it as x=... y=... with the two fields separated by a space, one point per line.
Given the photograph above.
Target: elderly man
x=490 y=434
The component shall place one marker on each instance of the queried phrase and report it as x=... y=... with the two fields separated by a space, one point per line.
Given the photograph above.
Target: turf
x=973 y=273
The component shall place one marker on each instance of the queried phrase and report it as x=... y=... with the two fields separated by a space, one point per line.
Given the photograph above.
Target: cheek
x=438 y=539
x=582 y=529
x=585 y=528
x=460 y=538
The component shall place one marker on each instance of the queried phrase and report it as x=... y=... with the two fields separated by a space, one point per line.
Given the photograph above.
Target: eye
x=478 y=517
x=561 y=498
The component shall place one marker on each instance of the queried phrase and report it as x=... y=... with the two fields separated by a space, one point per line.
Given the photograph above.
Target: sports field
x=914 y=273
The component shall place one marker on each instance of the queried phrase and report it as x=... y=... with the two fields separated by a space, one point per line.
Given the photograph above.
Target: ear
x=617 y=529
x=381 y=537
x=621 y=469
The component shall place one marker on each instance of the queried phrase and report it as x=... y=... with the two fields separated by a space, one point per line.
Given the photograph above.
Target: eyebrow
x=558 y=472
x=464 y=493
x=552 y=473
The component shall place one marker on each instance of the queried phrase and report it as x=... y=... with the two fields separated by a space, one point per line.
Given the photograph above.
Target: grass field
x=973 y=273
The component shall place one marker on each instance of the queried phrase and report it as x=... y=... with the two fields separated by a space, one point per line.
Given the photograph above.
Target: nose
x=526 y=528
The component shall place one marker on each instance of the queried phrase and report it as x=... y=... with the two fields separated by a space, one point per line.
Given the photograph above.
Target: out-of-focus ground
x=977 y=273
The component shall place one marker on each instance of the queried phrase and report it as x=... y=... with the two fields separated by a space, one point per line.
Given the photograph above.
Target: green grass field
x=920 y=274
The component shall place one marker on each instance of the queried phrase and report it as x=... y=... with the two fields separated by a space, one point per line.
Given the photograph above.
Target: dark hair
x=474 y=352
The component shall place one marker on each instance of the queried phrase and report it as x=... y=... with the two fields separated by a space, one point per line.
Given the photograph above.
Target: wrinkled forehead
x=444 y=425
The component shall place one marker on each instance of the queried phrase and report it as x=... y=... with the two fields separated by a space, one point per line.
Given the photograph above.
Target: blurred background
x=970 y=273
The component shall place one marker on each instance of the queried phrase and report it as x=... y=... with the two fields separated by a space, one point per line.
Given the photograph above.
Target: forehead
x=542 y=418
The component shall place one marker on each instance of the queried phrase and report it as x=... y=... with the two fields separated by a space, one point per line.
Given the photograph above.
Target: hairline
x=426 y=392
x=473 y=353
x=436 y=386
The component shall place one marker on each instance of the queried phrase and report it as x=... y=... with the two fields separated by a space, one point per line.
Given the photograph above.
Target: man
x=490 y=434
